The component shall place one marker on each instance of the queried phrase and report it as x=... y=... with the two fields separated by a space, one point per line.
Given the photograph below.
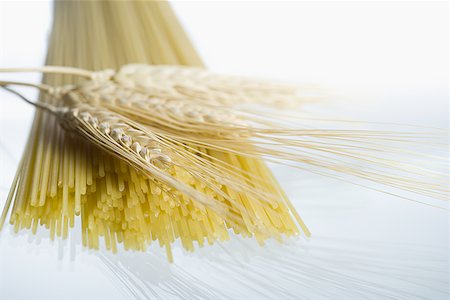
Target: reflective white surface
x=390 y=59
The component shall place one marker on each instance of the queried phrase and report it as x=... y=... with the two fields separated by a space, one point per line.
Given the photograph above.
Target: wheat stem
x=47 y=107
x=50 y=70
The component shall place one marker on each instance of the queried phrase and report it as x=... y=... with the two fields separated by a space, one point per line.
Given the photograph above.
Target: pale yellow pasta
x=61 y=176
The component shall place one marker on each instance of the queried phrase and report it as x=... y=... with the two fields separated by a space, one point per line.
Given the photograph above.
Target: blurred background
x=383 y=61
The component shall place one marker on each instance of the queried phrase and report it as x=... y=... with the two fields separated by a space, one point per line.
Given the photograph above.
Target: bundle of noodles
x=159 y=153
x=58 y=170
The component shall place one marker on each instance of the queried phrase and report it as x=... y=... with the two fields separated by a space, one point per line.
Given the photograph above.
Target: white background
x=389 y=59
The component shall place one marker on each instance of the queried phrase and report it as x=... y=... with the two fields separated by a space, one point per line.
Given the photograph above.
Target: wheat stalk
x=193 y=157
x=212 y=126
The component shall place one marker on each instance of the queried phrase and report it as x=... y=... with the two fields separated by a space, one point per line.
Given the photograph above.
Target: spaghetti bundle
x=59 y=171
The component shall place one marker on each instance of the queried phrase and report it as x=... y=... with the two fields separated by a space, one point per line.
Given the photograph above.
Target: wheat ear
x=324 y=151
x=253 y=135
